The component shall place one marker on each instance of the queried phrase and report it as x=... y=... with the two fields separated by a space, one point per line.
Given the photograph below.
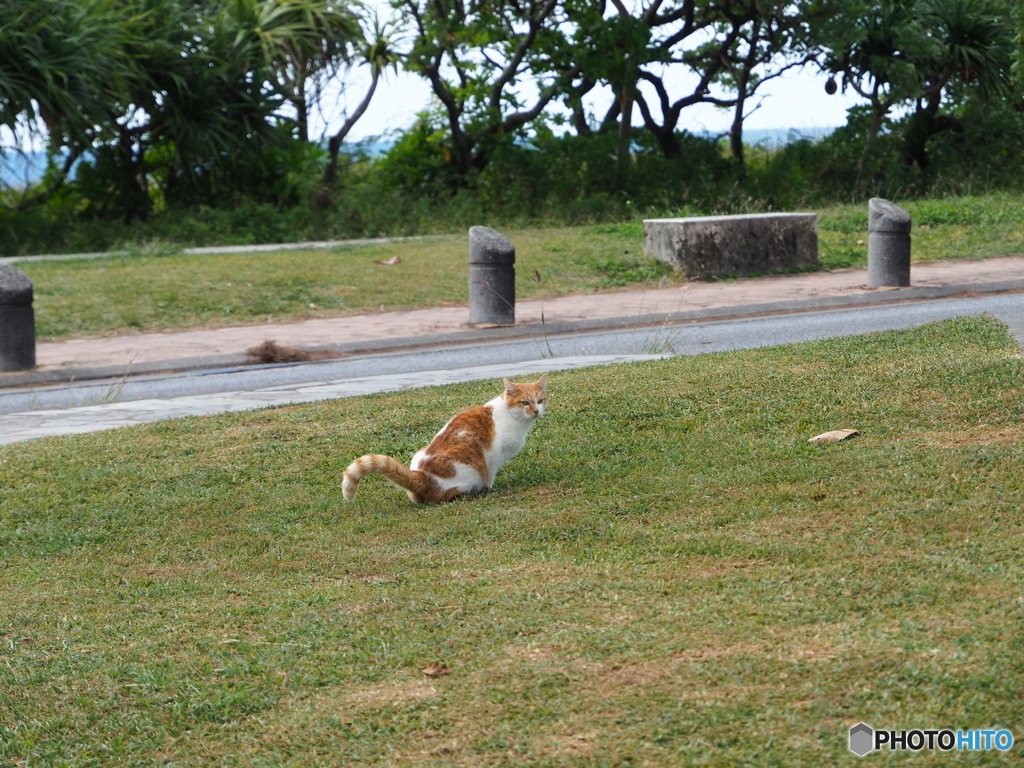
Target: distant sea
x=780 y=137
x=17 y=169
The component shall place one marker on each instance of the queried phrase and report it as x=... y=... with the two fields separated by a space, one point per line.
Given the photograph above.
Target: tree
x=718 y=26
x=198 y=98
x=971 y=46
x=609 y=49
x=771 y=43
x=476 y=54
x=1017 y=14
x=304 y=43
x=633 y=48
x=911 y=52
x=870 y=46
x=62 y=63
x=377 y=53
x=149 y=89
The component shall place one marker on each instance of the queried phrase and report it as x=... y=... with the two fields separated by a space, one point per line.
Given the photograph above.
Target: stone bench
x=759 y=243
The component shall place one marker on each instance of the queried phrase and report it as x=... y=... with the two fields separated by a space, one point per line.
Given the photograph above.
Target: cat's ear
x=510 y=388
x=542 y=381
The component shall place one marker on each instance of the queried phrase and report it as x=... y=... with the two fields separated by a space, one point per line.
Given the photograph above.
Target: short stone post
x=888 y=244
x=17 y=321
x=492 y=277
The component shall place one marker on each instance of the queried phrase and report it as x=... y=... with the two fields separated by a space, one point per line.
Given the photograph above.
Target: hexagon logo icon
x=861 y=739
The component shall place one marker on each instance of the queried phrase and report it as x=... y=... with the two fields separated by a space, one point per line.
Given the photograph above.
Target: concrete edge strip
x=1016 y=326
x=213 y=250
x=537 y=330
x=29 y=425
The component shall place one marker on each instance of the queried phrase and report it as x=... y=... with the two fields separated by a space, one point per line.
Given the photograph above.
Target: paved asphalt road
x=683 y=339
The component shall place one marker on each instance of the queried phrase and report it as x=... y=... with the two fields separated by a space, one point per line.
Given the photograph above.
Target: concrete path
x=697 y=302
x=139 y=352
x=30 y=425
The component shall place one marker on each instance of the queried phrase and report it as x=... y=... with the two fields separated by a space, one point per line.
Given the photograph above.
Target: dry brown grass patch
x=572 y=744
x=542 y=571
x=163 y=572
x=545 y=570
x=536 y=654
x=391 y=693
x=812 y=644
x=295 y=715
x=724 y=566
x=982 y=435
x=711 y=653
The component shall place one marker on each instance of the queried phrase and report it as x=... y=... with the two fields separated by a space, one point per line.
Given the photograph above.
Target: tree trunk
x=579 y=119
x=579 y=114
x=625 y=137
x=920 y=127
x=135 y=202
x=880 y=110
x=334 y=146
x=743 y=79
x=665 y=134
x=611 y=118
x=736 y=131
x=301 y=109
x=627 y=96
x=667 y=141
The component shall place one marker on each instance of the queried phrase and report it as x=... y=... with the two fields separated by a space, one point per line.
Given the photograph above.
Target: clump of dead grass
x=272 y=352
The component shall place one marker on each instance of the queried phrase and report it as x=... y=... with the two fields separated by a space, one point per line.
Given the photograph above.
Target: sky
x=794 y=100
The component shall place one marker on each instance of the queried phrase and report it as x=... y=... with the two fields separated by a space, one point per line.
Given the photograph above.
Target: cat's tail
x=419 y=486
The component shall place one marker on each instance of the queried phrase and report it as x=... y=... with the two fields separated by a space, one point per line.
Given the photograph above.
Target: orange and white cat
x=466 y=454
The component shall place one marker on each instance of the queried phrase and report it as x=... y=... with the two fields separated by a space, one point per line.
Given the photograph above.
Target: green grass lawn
x=154 y=293
x=146 y=292
x=948 y=228
x=669 y=574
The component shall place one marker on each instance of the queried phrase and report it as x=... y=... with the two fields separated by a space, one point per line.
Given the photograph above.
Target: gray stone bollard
x=888 y=244
x=492 y=277
x=17 y=321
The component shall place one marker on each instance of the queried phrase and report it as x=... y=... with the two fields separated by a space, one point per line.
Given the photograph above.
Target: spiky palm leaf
x=303 y=42
x=976 y=44
x=61 y=61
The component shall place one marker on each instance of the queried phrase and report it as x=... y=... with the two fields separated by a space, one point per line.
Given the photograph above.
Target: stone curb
x=234 y=361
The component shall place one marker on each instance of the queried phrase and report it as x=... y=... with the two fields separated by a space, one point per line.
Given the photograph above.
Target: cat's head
x=526 y=401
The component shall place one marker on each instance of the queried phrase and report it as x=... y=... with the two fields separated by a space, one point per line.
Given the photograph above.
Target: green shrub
x=535 y=178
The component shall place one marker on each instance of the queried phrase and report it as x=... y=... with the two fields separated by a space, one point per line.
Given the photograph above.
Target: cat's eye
x=524 y=402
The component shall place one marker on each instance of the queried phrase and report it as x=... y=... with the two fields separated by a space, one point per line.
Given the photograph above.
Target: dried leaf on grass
x=272 y=352
x=389 y=262
x=433 y=669
x=834 y=436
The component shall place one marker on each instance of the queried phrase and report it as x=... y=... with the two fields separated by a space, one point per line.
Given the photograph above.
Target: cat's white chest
x=509 y=438
x=510 y=445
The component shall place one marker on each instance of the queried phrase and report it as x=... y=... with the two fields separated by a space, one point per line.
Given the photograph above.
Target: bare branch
x=512 y=68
